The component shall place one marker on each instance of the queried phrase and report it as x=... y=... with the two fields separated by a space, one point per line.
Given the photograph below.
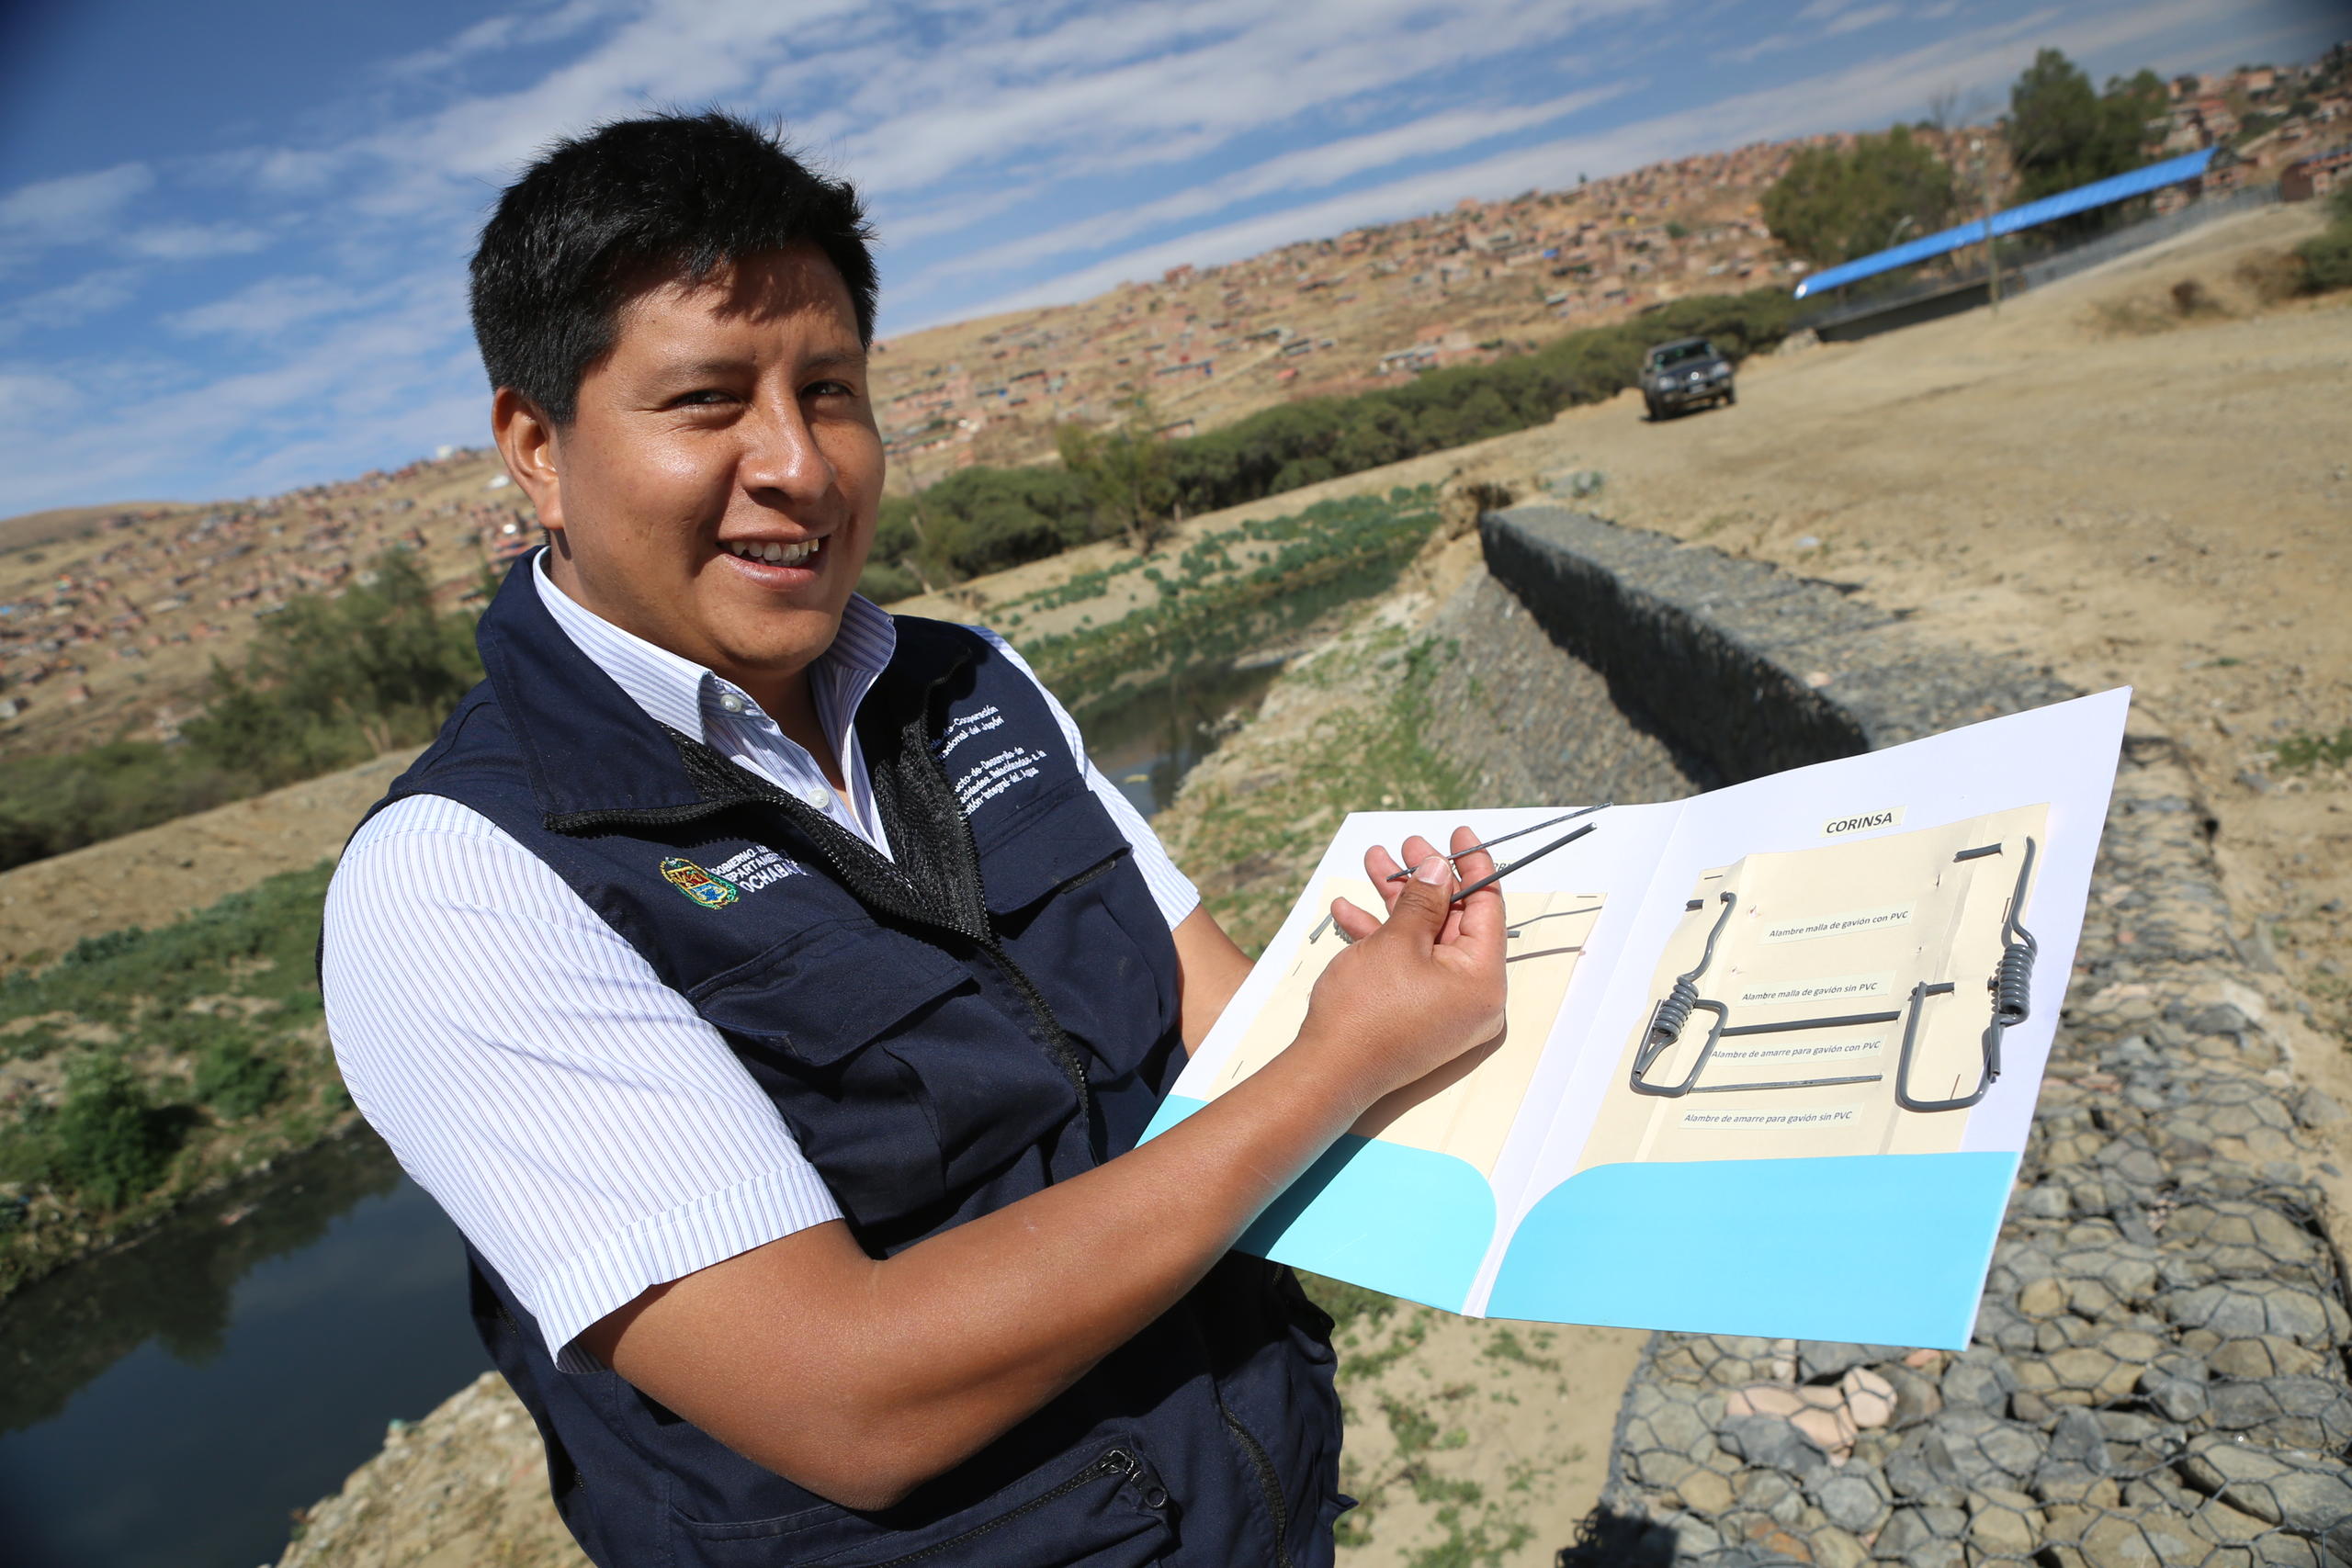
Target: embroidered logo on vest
x=710 y=892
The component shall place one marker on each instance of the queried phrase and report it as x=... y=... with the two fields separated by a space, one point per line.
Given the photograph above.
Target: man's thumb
x=1420 y=909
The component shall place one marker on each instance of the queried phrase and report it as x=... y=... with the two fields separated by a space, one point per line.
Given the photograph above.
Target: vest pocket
x=1108 y=1510
x=827 y=991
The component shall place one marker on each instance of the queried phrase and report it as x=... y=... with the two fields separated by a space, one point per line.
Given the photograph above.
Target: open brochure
x=1771 y=1052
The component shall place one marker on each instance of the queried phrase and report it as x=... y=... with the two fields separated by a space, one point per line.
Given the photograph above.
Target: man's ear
x=526 y=440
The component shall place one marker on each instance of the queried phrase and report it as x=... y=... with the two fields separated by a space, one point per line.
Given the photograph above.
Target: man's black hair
x=598 y=216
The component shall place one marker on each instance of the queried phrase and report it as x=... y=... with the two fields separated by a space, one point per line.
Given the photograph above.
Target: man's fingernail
x=1432 y=871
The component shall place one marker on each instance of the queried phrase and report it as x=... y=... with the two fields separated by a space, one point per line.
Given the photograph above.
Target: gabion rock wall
x=2159 y=1369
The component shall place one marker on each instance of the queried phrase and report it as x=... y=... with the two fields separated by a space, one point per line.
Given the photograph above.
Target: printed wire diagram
x=1748 y=1043
x=2011 y=986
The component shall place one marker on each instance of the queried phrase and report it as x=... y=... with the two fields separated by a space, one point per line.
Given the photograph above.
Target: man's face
x=715 y=492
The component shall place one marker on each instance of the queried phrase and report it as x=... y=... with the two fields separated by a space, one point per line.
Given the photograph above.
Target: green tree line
x=327 y=683
x=1127 y=482
x=1836 y=204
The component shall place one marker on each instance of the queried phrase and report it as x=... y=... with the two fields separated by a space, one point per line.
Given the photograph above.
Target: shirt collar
x=675 y=690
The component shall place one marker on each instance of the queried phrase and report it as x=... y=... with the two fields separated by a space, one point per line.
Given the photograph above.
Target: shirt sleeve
x=1171 y=889
x=588 y=1132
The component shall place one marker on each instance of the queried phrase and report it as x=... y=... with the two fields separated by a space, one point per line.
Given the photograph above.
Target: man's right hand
x=1417 y=990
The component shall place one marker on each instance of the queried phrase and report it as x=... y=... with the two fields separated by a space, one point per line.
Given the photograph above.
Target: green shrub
x=884 y=581
x=328 y=683
x=107 y=1142
x=237 y=1080
x=2327 y=258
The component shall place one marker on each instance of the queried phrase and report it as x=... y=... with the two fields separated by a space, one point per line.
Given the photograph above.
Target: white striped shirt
x=589 y=1133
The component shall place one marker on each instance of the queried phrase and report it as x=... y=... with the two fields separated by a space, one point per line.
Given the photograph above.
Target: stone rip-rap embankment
x=2158 y=1372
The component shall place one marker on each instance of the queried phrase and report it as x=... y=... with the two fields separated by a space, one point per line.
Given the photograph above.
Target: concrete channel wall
x=2159 y=1371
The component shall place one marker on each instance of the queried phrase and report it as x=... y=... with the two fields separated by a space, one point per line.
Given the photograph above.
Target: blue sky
x=233 y=235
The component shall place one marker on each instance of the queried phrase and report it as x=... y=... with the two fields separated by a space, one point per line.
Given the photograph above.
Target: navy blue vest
x=945 y=1033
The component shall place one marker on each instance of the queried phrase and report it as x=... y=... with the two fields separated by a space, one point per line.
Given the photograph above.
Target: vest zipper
x=1056 y=1038
x=1116 y=1462
x=1268 y=1483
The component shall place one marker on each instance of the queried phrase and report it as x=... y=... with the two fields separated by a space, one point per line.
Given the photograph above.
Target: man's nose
x=781 y=455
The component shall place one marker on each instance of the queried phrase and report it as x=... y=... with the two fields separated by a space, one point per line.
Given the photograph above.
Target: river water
x=168 y=1406
x=171 y=1404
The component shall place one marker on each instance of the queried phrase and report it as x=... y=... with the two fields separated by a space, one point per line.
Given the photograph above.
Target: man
x=773 y=996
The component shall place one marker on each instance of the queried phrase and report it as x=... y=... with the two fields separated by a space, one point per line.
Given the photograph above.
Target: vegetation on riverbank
x=982 y=519
x=1226 y=594
x=146 y=1066
x=327 y=684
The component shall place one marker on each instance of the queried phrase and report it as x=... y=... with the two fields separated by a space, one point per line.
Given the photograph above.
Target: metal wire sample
x=1514 y=833
x=2012 y=987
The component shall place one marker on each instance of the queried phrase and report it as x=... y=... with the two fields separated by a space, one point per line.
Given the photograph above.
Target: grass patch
x=2306 y=750
x=1232 y=592
x=167 y=1047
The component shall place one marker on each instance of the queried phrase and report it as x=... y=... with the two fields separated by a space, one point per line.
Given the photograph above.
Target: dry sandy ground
x=158 y=874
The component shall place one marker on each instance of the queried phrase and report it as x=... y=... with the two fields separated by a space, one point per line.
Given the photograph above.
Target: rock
x=1923 y=1470
x=1850 y=1499
x=1988 y=1452
x=2264 y=1356
x=1771 y=1440
x=2292 y=1412
x=2004 y=1523
x=1819 y=1361
x=1704 y=1492
x=2315 y=1109
x=2312 y=1498
x=2179 y=1400
x=1836 y=1549
x=2147 y=1538
x=1772 y=1493
x=2077 y=1440
x=1870 y=1398
x=2047 y=1201
x=1916 y=1397
x=2256 y=1306
x=1921 y=1535
x=2043 y=1298
x=1979 y=1377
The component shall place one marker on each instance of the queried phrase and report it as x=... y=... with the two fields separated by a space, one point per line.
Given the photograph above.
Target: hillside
x=111 y=616
x=1208 y=344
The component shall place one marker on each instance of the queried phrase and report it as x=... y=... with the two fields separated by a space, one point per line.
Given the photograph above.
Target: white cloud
x=69 y=304
x=266 y=309
x=1309 y=168
x=74 y=208
x=194 y=241
x=1868 y=17
x=28 y=393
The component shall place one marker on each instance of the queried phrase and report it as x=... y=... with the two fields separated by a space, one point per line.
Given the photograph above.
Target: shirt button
x=817 y=796
x=730 y=702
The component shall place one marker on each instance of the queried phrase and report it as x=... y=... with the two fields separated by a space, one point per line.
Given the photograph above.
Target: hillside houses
x=84 y=620
x=1208 y=343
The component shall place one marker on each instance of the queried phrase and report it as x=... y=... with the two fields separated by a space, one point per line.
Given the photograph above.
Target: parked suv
x=1683 y=374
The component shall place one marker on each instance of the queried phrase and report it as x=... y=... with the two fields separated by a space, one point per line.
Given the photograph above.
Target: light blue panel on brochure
x=1879 y=1249
x=1402 y=1221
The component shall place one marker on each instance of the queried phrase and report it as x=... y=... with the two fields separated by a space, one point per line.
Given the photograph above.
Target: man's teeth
x=774 y=553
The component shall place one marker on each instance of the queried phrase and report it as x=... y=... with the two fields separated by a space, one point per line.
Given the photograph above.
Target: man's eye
x=700 y=397
x=831 y=390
